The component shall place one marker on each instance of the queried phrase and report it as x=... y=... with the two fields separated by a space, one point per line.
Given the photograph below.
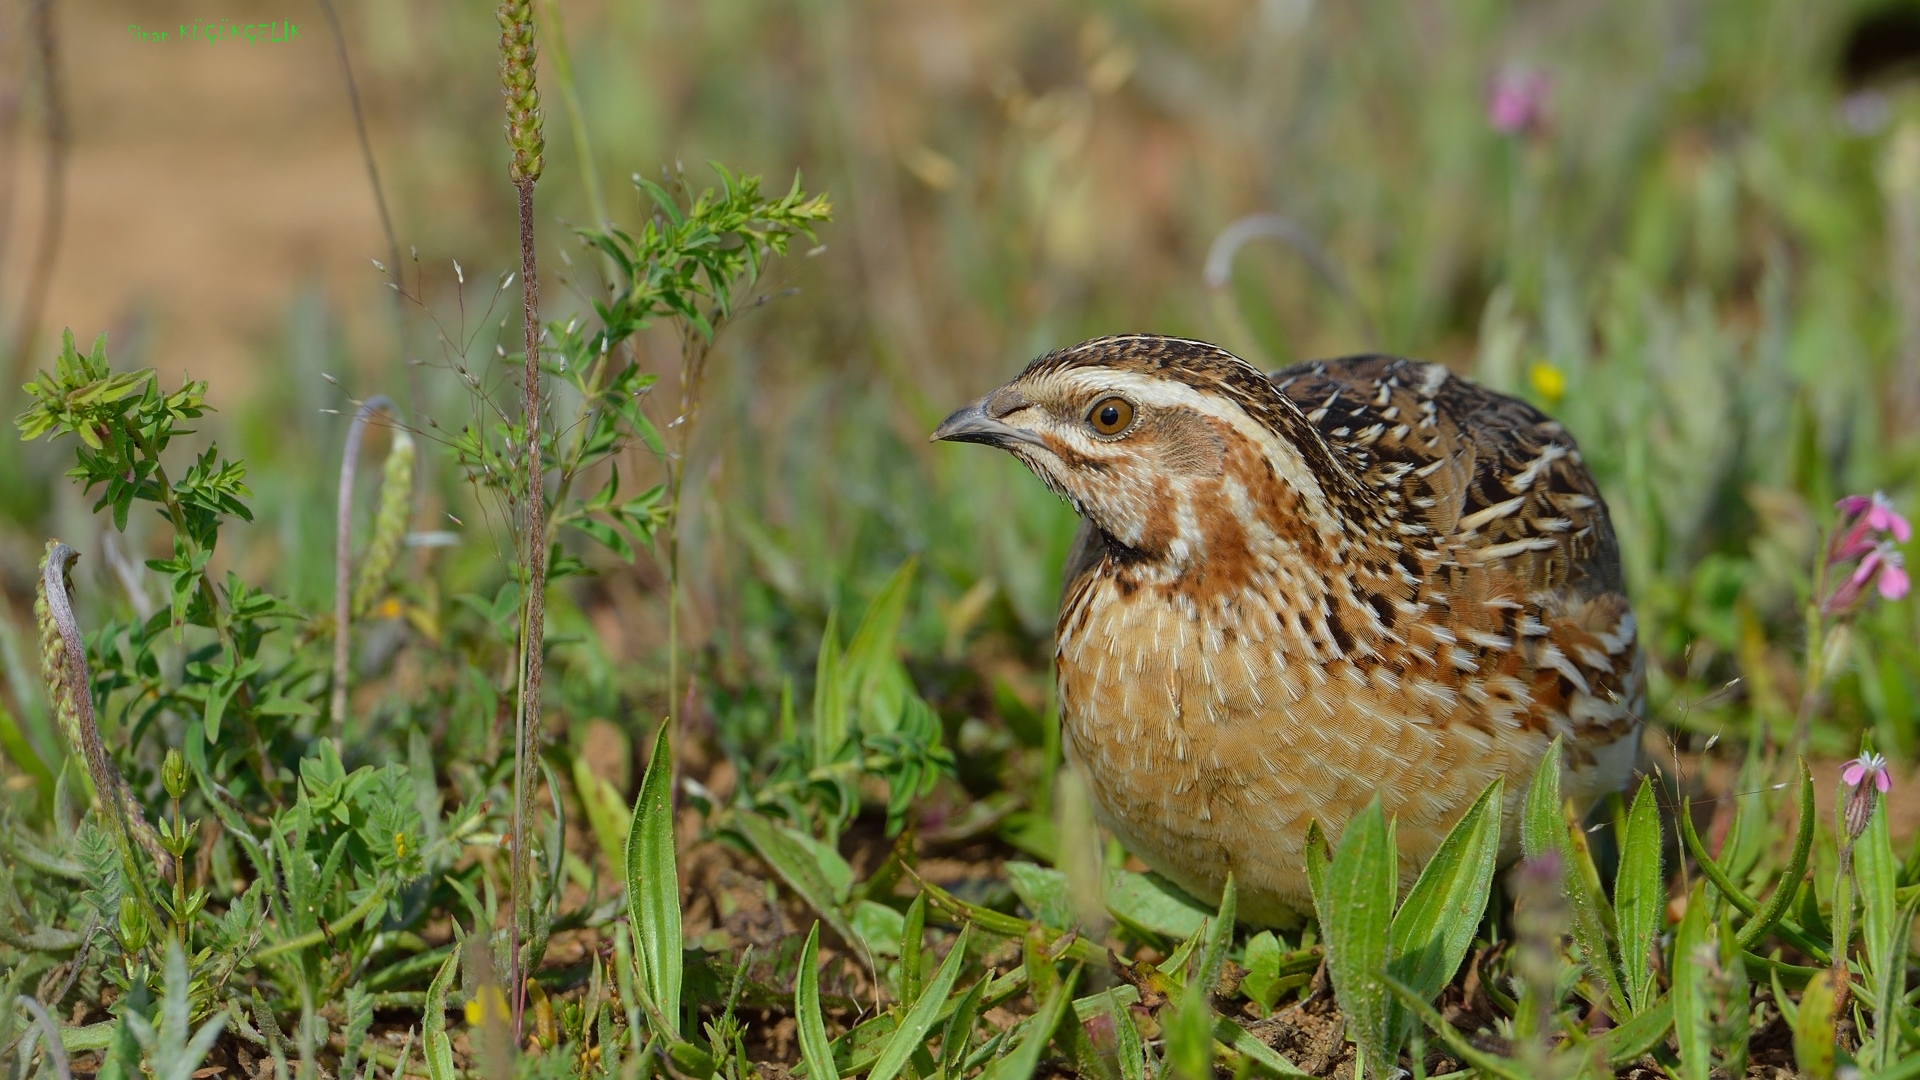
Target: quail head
x=1290 y=593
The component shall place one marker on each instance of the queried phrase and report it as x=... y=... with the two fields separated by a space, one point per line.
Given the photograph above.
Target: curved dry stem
x=1218 y=274
x=342 y=559
x=44 y=1025
x=63 y=665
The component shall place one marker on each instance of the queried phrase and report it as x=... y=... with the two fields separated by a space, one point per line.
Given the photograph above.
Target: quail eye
x=1111 y=416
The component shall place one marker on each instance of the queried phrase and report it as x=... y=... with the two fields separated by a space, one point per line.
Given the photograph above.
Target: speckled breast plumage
x=1458 y=606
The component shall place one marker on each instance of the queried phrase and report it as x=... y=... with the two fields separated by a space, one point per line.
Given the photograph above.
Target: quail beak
x=971 y=423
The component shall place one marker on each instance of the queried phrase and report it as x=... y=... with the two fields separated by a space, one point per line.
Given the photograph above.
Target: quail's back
x=1359 y=576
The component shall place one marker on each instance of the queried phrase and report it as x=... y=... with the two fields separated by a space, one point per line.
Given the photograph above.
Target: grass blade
x=1783 y=893
x=653 y=886
x=829 y=698
x=1692 y=956
x=913 y=1028
x=1361 y=887
x=1457 y=1043
x=1640 y=898
x=912 y=933
x=1242 y=1041
x=1435 y=925
x=437 y=1046
x=1594 y=929
x=814 y=1048
x=959 y=1029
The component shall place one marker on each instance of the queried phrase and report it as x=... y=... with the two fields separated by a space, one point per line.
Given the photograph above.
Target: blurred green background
x=1697 y=244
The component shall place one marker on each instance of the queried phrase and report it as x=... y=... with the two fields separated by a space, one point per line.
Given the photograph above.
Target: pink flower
x=1864 y=766
x=1890 y=568
x=1883 y=567
x=1517 y=100
x=1876 y=512
x=1860 y=804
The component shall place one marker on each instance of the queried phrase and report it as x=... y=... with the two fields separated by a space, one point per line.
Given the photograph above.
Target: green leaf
x=829 y=698
x=913 y=1028
x=1319 y=856
x=606 y=535
x=879 y=927
x=1213 y=954
x=653 y=885
x=1357 y=917
x=1436 y=923
x=797 y=866
x=1884 y=930
x=814 y=1049
x=438 y=1047
x=959 y=1029
x=1262 y=960
x=1638 y=1035
x=871 y=672
x=1789 y=882
x=913 y=932
x=1813 y=1031
x=1044 y=891
x=606 y=811
x=1152 y=903
x=1542 y=828
x=1693 y=954
x=1640 y=897
x=217 y=697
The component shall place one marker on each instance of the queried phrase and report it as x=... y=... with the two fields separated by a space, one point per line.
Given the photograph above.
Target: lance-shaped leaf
x=653 y=886
x=1435 y=926
x=1692 y=958
x=913 y=1028
x=1640 y=898
x=1361 y=885
x=438 y=1047
x=815 y=1051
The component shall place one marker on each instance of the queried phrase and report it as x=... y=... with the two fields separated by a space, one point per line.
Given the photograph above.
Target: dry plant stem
x=342 y=562
x=115 y=797
x=53 y=221
x=44 y=1026
x=534 y=633
x=379 y=193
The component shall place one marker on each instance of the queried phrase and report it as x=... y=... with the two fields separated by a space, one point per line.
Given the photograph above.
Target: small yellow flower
x=1548 y=381
x=487 y=999
x=400 y=845
x=389 y=608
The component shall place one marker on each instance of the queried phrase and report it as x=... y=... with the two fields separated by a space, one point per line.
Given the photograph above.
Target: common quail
x=1289 y=593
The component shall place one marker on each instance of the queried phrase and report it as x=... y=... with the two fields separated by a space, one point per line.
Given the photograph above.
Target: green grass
x=1695 y=262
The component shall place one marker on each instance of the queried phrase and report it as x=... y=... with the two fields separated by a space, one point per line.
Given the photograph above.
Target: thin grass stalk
x=53 y=219
x=525 y=138
x=392 y=269
x=342 y=561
